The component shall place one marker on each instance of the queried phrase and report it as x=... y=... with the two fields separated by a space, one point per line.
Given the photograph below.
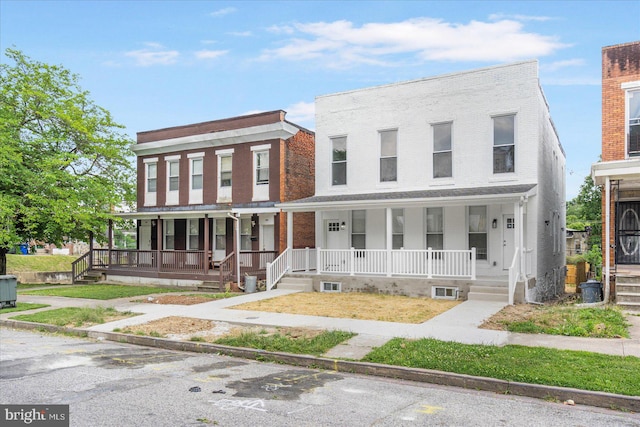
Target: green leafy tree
x=586 y=210
x=64 y=162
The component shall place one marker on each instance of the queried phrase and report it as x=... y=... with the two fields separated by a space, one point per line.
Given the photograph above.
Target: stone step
x=296 y=283
x=627 y=297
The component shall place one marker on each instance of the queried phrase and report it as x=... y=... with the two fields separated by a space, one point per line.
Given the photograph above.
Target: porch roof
x=214 y=211
x=628 y=169
x=437 y=197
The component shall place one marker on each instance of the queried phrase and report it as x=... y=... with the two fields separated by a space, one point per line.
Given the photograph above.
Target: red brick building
x=619 y=172
x=206 y=192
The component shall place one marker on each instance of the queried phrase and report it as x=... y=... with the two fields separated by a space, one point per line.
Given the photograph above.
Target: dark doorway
x=628 y=233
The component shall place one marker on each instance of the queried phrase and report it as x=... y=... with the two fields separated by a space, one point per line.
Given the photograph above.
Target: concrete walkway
x=459 y=324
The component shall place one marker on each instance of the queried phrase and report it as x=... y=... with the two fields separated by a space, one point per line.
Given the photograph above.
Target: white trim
x=195 y=155
x=630 y=85
x=150 y=160
x=224 y=152
x=262 y=147
x=172 y=158
x=454 y=292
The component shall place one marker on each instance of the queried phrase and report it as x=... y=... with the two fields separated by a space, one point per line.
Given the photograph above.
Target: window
x=169 y=234
x=221 y=234
x=331 y=287
x=339 y=161
x=435 y=229
x=196 y=174
x=333 y=226
x=225 y=171
x=442 y=155
x=388 y=156
x=152 y=177
x=262 y=168
x=194 y=233
x=358 y=229
x=478 y=230
x=397 y=228
x=173 y=169
x=504 y=143
x=245 y=234
x=633 y=114
x=441 y=292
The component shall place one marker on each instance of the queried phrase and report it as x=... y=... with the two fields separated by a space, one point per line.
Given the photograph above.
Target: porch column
x=290 y=239
x=110 y=239
x=523 y=261
x=389 y=232
x=206 y=243
x=607 y=238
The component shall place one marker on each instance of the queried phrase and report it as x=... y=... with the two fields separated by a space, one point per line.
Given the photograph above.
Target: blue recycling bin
x=24 y=249
x=591 y=291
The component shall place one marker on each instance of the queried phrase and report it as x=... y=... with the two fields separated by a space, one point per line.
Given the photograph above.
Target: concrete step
x=478 y=296
x=627 y=279
x=628 y=287
x=630 y=306
x=489 y=289
x=627 y=297
x=296 y=283
x=208 y=286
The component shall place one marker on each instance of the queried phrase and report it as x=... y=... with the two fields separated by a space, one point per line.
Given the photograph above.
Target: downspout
x=237 y=230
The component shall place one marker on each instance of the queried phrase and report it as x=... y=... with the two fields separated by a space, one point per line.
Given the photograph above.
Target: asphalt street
x=114 y=384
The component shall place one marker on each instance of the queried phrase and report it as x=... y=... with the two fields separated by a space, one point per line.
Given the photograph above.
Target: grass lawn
x=101 y=292
x=75 y=316
x=26 y=263
x=27 y=286
x=534 y=365
x=22 y=306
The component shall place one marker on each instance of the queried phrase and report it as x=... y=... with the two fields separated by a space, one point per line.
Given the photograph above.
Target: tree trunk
x=3 y=261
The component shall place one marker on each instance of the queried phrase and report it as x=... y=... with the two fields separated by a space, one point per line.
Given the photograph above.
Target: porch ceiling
x=439 y=197
x=628 y=170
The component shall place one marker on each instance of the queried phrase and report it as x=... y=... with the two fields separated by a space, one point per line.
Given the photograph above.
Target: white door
x=219 y=239
x=266 y=238
x=508 y=240
x=332 y=234
x=144 y=242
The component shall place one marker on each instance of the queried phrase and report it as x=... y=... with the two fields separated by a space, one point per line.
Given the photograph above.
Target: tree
x=586 y=210
x=64 y=163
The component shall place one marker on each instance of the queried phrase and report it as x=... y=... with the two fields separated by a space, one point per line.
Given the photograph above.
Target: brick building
x=619 y=172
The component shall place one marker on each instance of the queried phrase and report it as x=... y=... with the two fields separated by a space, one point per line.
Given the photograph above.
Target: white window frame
x=358 y=232
x=246 y=228
x=168 y=231
x=429 y=231
x=330 y=286
x=196 y=194
x=172 y=196
x=224 y=192
x=482 y=229
x=397 y=213
x=630 y=88
x=391 y=156
x=150 y=197
x=339 y=162
x=195 y=223
x=437 y=152
x=513 y=144
x=260 y=189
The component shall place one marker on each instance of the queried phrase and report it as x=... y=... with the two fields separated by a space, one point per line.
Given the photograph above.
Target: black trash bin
x=591 y=291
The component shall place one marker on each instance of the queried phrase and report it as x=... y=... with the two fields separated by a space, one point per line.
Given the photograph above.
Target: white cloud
x=223 y=12
x=342 y=44
x=554 y=66
x=154 y=55
x=241 y=33
x=210 y=54
x=302 y=113
x=281 y=29
x=501 y=16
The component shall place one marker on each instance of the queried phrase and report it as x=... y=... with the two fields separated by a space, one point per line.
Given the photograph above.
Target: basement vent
x=441 y=292
x=330 y=287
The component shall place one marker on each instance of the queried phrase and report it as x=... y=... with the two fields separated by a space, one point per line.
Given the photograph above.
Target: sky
x=157 y=64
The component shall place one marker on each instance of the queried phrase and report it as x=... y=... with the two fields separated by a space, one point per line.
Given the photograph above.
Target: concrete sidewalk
x=459 y=324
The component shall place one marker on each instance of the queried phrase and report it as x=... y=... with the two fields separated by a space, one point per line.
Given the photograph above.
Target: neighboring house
x=619 y=172
x=577 y=242
x=206 y=188
x=436 y=186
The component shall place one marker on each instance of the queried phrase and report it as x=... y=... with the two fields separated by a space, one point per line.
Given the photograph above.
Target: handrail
x=513 y=276
x=227 y=268
x=80 y=266
x=277 y=268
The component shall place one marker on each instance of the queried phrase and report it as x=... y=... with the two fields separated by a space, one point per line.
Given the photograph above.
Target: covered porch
x=434 y=234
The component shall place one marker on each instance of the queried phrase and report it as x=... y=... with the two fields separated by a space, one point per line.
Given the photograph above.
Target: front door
x=628 y=233
x=508 y=239
x=332 y=234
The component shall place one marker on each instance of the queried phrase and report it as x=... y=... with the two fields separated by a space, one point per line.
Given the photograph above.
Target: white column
x=389 y=241
x=607 y=237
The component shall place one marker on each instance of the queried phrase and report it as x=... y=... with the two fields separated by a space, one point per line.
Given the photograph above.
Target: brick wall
x=297 y=181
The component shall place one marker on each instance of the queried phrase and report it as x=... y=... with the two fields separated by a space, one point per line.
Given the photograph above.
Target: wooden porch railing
x=80 y=266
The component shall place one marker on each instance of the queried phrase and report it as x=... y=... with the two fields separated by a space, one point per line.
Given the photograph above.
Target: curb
x=538 y=391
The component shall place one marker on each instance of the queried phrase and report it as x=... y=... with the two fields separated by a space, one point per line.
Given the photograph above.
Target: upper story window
x=152 y=177
x=388 y=155
x=397 y=228
x=196 y=174
x=504 y=143
x=262 y=167
x=633 y=121
x=478 y=230
x=435 y=228
x=226 y=163
x=173 y=173
x=442 y=153
x=339 y=161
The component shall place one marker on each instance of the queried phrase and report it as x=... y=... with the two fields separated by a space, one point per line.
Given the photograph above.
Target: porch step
x=628 y=287
x=89 y=278
x=296 y=283
x=210 y=286
x=630 y=306
x=625 y=297
x=488 y=293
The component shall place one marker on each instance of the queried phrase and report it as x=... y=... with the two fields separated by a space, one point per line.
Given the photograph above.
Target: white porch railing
x=303 y=259
x=513 y=275
x=277 y=268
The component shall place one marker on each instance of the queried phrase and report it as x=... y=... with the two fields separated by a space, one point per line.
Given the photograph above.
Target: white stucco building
x=444 y=182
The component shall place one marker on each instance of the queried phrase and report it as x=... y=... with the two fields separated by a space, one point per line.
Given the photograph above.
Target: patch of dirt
x=510 y=313
x=185 y=328
x=178 y=299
